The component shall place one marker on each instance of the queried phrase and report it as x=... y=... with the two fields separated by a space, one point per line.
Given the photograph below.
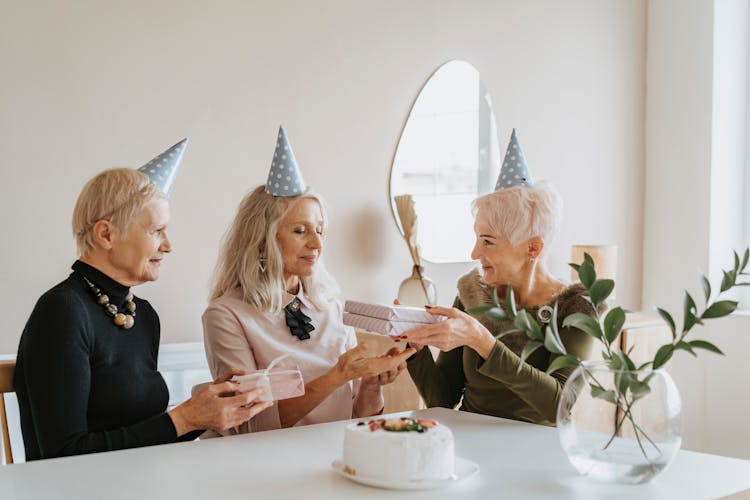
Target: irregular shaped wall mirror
x=448 y=155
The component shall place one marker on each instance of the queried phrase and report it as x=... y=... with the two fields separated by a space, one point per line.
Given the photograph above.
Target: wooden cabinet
x=642 y=336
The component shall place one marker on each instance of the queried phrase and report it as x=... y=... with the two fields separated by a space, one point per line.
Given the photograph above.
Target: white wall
x=90 y=85
x=695 y=132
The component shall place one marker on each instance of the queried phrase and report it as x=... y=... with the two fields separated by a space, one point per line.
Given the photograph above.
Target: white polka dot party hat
x=514 y=171
x=162 y=170
x=284 y=178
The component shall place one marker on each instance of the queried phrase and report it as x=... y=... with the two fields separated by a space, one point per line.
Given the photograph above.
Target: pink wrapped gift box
x=280 y=383
x=391 y=312
x=388 y=320
x=377 y=325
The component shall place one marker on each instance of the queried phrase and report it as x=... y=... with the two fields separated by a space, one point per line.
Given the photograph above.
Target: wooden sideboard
x=644 y=333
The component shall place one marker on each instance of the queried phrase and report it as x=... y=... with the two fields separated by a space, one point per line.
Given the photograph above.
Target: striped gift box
x=377 y=325
x=391 y=312
x=388 y=320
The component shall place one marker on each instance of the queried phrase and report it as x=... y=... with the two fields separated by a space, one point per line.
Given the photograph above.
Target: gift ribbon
x=264 y=381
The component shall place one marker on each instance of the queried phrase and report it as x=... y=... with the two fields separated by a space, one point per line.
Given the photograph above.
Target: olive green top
x=495 y=386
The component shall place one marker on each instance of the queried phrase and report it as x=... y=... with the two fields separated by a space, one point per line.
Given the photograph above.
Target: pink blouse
x=238 y=336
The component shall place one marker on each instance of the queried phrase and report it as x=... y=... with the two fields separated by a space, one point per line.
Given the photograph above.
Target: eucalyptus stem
x=606 y=326
x=640 y=445
x=614 y=434
x=627 y=414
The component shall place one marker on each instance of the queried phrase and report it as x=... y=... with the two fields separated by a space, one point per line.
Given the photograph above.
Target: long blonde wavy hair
x=252 y=235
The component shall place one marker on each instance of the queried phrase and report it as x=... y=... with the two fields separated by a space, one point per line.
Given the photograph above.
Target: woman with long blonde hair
x=273 y=296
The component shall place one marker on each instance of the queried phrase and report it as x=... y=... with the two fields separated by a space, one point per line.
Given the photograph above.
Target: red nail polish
x=428 y=307
x=397 y=340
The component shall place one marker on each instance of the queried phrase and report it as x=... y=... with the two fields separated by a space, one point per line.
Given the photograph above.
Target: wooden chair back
x=7 y=369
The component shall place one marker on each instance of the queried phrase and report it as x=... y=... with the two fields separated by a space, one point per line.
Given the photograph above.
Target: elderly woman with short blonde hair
x=475 y=368
x=86 y=373
x=274 y=297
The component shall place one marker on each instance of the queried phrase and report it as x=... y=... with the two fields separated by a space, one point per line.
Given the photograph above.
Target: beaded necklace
x=124 y=319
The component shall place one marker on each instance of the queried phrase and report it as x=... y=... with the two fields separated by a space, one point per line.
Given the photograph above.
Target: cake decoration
x=402 y=424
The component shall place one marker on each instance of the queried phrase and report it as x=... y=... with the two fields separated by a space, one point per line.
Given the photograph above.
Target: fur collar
x=473 y=292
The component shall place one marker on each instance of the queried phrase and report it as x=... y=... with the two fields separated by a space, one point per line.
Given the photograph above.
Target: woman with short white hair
x=513 y=226
x=86 y=372
x=273 y=297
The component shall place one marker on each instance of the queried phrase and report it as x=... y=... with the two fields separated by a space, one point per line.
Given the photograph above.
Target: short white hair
x=521 y=213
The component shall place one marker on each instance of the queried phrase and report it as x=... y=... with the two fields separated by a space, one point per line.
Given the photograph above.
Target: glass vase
x=417 y=290
x=620 y=426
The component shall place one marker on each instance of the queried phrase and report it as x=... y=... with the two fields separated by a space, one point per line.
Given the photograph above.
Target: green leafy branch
x=691 y=317
x=608 y=329
x=630 y=383
x=548 y=335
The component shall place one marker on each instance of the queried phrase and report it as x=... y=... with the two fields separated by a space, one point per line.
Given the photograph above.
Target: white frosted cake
x=399 y=449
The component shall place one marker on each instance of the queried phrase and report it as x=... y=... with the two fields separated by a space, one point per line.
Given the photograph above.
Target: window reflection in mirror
x=448 y=155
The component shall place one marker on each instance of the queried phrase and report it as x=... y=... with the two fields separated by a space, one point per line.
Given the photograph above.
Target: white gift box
x=391 y=312
x=278 y=383
x=389 y=320
x=377 y=325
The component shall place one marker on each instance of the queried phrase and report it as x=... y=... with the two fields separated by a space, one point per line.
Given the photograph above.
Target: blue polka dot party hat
x=514 y=171
x=162 y=170
x=284 y=178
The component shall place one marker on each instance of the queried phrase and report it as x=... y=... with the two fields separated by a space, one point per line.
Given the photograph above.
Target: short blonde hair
x=252 y=235
x=521 y=213
x=117 y=195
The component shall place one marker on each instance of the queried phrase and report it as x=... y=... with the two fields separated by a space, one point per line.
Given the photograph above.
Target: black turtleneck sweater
x=84 y=384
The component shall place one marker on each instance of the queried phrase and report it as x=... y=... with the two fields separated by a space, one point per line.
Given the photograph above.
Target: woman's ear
x=103 y=234
x=535 y=246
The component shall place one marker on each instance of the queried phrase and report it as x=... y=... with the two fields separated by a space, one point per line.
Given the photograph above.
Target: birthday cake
x=399 y=449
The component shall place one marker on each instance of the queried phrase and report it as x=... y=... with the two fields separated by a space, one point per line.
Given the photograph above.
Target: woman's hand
x=218 y=407
x=353 y=364
x=369 y=400
x=417 y=347
x=460 y=329
x=386 y=377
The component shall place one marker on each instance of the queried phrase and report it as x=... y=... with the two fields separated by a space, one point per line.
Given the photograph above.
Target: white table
x=517 y=460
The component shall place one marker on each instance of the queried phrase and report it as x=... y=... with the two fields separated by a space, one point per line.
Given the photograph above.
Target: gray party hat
x=284 y=178
x=162 y=170
x=514 y=171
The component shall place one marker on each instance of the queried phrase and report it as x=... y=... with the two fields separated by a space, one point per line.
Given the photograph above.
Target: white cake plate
x=462 y=469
